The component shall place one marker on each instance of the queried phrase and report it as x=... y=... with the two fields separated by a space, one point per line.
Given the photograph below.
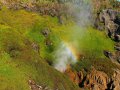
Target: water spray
x=64 y=56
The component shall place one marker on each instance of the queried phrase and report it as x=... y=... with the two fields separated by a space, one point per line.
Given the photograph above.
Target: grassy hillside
x=19 y=60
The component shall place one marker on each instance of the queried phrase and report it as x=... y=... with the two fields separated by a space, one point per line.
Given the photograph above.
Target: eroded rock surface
x=96 y=80
x=109 y=20
x=115 y=80
x=76 y=77
x=34 y=86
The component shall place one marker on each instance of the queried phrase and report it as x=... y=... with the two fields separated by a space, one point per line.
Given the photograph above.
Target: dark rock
x=111 y=22
x=46 y=32
x=111 y=28
x=118 y=56
x=108 y=54
x=48 y=42
x=117 y=48
x=114 y=57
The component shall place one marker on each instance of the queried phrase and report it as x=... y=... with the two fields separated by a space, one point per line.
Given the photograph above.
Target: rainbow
x=73 y=49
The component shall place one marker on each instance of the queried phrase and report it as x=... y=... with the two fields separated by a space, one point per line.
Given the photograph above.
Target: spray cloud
x=81 y=11
x=64 y=57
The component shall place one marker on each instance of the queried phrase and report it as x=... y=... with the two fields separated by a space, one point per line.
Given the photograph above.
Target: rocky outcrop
x=96 y=80
x=76 y=77
x=50 y=8
x=115 y=85
x=46 y=32
x=36 y=47
x=109 y=20
x=34 y=86
x=114 y=57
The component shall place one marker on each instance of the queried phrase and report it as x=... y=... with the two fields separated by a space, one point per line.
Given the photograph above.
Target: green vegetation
x=20 y=62
x=100 y=64
x=88 y=41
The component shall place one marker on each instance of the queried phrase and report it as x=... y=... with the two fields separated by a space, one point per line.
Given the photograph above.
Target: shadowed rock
x=111 y=23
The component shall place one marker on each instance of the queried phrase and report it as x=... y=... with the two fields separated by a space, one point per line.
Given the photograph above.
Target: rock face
x=34 y=86
x=76 y=77
x=115 y=80
x=96 y=80
x=52 y=9
x=109 y=20
x=114 y=57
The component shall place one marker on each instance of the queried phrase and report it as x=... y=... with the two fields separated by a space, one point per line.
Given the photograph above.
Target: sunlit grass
x=19 y=29
x=18 y=60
